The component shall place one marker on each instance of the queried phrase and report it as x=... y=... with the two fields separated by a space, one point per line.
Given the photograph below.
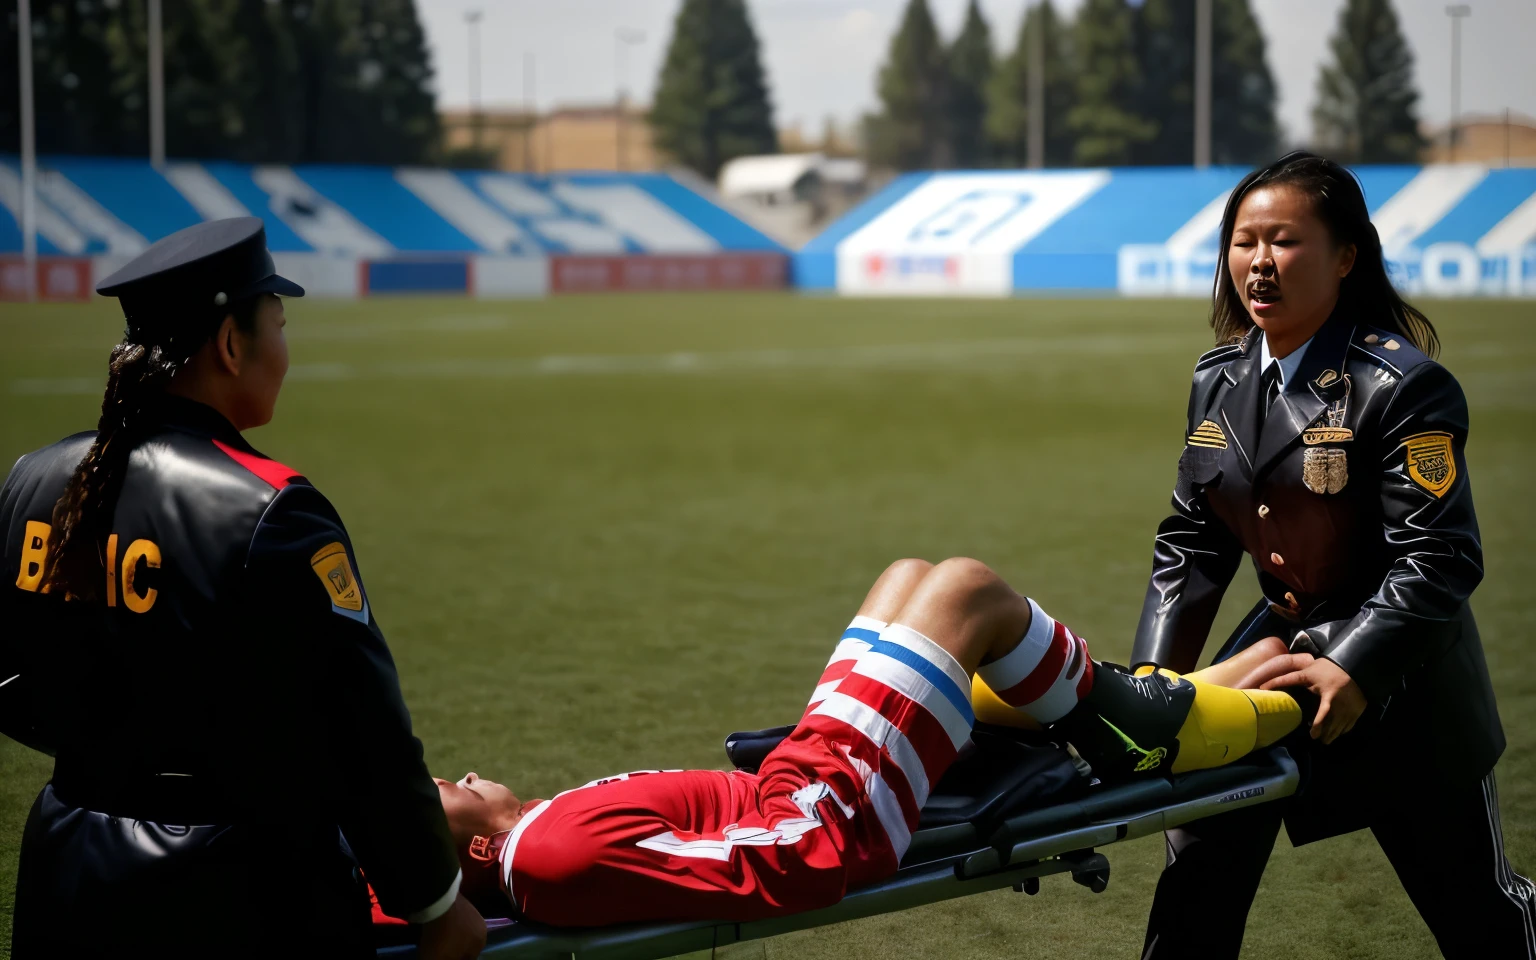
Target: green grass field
x=601 y=533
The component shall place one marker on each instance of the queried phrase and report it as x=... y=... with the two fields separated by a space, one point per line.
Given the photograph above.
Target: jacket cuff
x=1341 y=641
x=439 y=906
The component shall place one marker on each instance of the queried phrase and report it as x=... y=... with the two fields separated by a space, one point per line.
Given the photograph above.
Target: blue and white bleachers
x=1449 y=230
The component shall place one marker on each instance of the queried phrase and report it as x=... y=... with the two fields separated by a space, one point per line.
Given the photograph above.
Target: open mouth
x=1263 y=292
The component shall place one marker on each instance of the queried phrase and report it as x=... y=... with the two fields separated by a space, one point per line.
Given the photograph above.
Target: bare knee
x=1269 y=648
x=963 y=575
x=893 y=588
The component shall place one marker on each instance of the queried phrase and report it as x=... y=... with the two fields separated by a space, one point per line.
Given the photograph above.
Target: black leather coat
x=1355 y=504
x=233 y=677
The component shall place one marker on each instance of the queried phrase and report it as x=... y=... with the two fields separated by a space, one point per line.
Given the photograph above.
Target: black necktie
x=1269 y=391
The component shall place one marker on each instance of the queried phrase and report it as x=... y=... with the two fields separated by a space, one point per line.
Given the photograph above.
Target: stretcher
x=1012 y=809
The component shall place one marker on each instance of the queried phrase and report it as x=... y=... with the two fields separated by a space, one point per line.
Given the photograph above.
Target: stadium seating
x=1448 y=230
x=355 y=230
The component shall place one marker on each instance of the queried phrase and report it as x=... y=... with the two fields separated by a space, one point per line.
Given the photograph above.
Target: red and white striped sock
x=1046 y=674
x=855 y=642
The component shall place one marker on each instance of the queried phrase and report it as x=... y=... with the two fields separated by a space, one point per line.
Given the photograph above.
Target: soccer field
x=600 y=533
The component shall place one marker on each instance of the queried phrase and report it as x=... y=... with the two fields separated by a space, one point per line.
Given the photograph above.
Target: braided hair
x=1366 y=294
x=141 y=367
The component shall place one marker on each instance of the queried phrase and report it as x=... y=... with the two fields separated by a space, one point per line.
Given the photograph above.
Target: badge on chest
x=1324 y=467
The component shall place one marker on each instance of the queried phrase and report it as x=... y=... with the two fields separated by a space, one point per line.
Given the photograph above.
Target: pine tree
x=1008 y=95
x=1104 y=120
x=1366 y=101
x=1243 y=125
x=970 y=73
x=911 y=131
x=712 y=98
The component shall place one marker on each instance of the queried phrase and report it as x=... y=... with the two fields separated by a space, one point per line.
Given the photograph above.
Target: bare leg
x=964 y=607
x=1234 y=670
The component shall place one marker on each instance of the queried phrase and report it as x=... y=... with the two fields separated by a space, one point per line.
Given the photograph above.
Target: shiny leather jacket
x=1355 y=504
x=233 y=672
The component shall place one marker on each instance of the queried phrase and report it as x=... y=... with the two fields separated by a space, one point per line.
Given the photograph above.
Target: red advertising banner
x=59 y=279
x=719 y=271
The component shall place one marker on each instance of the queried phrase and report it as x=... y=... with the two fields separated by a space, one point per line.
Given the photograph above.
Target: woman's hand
x=1342 y=700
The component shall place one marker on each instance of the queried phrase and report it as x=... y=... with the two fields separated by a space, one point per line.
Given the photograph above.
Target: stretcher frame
x=944 y=863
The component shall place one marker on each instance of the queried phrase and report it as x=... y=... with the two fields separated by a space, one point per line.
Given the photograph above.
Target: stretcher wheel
x=1092 y=872
x=1029 y=885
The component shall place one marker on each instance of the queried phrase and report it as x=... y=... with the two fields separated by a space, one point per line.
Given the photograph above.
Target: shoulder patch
x=334 y=568
x=1430 y=461
x=1208 y=434
x=275 y=474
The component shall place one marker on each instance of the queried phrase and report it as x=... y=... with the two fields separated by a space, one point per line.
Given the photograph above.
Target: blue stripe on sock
x=859 y=633
x=929 y=671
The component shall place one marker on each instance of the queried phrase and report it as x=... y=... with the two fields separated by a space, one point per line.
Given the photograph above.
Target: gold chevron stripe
x=1208 y=434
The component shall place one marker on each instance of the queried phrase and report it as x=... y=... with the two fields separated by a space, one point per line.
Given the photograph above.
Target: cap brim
x=281 y=286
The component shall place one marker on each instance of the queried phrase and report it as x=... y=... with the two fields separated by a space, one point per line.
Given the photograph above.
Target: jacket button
x=1263 y=511
x=1277 y=560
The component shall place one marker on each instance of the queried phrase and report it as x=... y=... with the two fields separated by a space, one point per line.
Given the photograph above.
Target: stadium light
x=28 y=149
x=623 y=38
x=1202 y=83
x=1036 y=158
x=1456 y=12
x=472 y=18
x=156 y=87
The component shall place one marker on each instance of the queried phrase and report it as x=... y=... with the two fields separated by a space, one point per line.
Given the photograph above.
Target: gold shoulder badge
x=1327 y=377
x=1431 y=463
x=1208 y=434
x=334 y=569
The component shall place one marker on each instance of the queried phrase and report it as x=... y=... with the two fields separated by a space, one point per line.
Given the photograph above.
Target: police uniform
x=230 y=739
x=1347 y=484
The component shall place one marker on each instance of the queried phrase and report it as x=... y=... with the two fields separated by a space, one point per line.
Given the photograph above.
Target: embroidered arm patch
x=334 y=568
x=1208 y=434
x=1430 y=461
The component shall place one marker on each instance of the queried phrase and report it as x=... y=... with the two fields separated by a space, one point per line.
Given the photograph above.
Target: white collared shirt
x=1288 y=364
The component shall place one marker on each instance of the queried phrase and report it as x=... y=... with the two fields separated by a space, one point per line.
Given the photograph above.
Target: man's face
x=478 y=807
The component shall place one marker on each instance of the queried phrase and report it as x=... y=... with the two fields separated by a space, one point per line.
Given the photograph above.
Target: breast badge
x=1208 y=434
x=1326 y=469
x=334 y=568
x=1431 y=463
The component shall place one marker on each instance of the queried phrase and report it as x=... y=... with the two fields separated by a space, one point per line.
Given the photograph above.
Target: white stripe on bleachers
x=1423 y=202
x=89 y=216
x=447 y=195
x=210 y=198
x=1511 y=234
x=53 y=227
x=626 y=208
x=329 y=228
x=1203 y=229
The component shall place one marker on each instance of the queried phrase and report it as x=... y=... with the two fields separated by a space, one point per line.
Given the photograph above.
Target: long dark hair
x=1366 y=295
x=141 y=368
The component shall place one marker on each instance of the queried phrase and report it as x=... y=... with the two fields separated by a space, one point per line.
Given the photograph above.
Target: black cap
x=184 y=280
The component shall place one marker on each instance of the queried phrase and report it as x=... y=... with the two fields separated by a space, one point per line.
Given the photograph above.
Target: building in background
x=1507 y=140
x=566 y=138
x=791 y=196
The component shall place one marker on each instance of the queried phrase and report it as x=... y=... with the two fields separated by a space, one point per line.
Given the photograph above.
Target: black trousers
x=1447 y=849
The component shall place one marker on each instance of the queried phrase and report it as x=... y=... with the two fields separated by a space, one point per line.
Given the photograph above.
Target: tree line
x=283 y=81
x=1119 y=88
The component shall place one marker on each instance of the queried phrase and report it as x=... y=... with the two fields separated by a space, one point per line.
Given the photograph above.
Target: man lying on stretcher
x=833 y=807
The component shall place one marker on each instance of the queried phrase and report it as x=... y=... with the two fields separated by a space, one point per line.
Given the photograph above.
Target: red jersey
x=831 y=809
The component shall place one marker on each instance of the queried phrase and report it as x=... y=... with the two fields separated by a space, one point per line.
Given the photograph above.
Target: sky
x=822 y=55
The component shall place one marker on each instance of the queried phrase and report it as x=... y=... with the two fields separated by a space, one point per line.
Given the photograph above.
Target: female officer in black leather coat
x=1325 y=443
x=183 y=627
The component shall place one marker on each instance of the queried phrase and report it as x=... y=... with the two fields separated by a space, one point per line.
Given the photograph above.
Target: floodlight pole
x=1036 y=156
x=1202 y=83
x=156 y=87
x=623 y=37
x=1456 y=12
x=472 y=18
x=28 y=149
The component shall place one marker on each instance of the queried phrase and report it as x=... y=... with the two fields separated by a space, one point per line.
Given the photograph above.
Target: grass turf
x=602 y=532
